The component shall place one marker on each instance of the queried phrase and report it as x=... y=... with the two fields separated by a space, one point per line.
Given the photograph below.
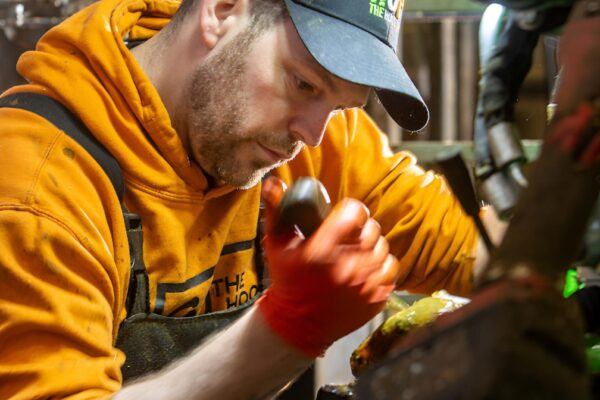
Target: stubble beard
x=218 y=107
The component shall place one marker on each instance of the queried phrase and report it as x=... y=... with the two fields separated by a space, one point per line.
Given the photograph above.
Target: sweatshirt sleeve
x=56 y=312
x=64 y=265
x=425 y=225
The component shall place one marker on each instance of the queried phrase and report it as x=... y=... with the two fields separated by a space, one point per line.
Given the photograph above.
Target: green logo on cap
x=386 y=9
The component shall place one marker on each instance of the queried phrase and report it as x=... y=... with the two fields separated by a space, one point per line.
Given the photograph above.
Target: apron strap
x=61 y=117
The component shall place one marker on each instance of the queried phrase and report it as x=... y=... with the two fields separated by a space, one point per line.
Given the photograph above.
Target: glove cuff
x=292 y=326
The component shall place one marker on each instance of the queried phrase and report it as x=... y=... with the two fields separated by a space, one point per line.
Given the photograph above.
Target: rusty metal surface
x=514 y=341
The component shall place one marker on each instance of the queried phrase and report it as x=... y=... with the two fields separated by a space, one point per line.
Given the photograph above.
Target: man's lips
x=275 y=155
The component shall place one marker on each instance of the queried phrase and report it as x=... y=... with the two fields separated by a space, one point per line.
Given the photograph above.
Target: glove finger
x=272 y=192
x=386 y=275
x=353 y=266
x=380 y=294
x=343 y=224
x=371 y=262
x=370 y=235
x=390 y=272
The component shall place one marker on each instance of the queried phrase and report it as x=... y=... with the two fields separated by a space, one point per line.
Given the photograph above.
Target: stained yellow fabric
x=64 y=262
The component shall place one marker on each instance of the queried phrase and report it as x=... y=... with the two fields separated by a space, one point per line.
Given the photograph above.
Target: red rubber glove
x=325 y=287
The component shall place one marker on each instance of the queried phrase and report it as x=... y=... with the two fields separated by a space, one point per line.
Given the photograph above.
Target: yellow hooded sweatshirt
x=64 y=257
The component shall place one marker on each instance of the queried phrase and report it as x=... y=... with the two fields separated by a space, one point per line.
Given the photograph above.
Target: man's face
x=256 y=100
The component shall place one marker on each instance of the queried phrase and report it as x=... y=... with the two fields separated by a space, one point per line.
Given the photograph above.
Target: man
x=196 y=115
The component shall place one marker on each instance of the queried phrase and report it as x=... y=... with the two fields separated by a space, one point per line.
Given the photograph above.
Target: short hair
x=263 y=13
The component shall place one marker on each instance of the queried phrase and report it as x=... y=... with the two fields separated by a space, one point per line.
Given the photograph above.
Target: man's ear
x=218 y=17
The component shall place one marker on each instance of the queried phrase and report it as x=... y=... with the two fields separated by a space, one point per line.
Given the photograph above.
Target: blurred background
x=22 y=23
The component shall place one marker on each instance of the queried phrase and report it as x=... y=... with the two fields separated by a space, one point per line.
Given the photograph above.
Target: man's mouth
x=274 y=154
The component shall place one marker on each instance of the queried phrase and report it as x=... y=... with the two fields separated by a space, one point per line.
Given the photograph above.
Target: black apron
x=149 y=340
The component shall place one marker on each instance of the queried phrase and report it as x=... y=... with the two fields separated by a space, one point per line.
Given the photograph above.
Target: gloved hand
x=324 y=287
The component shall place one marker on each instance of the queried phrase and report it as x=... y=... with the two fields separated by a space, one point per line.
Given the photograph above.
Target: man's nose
x=308 y=125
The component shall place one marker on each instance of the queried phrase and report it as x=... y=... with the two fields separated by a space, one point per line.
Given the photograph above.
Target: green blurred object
x=593 y=353
x=396 y=303
x=571 y=282
x=592 y=341
x=420 y=313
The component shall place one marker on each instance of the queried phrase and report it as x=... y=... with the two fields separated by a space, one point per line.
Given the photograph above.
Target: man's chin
x=252 y=180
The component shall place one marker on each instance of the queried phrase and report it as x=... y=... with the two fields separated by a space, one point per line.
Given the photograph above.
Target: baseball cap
x=357 y=41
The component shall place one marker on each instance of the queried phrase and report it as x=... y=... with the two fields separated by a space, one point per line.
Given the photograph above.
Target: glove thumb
x=272 y=192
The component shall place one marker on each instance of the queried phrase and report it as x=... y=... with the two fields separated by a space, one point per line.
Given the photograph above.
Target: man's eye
x=304 y=86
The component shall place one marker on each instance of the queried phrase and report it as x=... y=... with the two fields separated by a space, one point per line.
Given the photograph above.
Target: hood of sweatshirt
x=85 y=64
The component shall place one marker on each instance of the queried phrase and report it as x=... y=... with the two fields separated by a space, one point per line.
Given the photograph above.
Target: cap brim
x=355 y=55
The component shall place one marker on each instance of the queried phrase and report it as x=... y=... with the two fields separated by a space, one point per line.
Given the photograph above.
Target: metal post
x=449 y=72
x=468 y=79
